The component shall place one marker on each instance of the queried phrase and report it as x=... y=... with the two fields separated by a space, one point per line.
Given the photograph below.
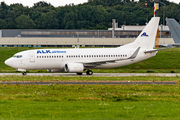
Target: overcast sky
x=55 y=3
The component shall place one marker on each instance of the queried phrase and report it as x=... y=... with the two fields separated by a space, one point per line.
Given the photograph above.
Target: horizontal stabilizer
x=154 y=50
x=174 y=45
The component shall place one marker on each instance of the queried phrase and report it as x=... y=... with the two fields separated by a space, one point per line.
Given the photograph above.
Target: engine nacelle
x=74 y=67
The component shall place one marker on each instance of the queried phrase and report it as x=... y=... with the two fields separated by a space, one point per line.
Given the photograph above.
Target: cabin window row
x=49 y=56
x=76 y=56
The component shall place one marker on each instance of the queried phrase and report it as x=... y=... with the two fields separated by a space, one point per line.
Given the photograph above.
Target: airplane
x=175 y=31
x=80 y=59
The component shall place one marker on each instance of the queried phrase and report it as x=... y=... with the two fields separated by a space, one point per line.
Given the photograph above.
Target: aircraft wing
x=95 y=63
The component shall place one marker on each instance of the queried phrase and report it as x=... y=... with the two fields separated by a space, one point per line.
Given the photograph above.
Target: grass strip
x=89 y=102
x=87 y=78
x=96 y=110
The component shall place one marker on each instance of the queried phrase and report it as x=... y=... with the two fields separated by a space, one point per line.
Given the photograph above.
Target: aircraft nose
x=8 y=62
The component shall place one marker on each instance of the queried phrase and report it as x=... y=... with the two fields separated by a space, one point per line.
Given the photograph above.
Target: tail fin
x=174 y=28
x=146 y=39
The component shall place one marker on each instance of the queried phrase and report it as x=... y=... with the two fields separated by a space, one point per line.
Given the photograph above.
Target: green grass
x=165 y=61
x=39 y=110
x=87 y=78
x=89 y=102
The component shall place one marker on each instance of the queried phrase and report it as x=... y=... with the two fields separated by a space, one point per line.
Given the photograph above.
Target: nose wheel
x=24 y=73
x=89 y=72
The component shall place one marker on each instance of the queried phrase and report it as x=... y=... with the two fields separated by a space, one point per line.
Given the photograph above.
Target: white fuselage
x=55 y=59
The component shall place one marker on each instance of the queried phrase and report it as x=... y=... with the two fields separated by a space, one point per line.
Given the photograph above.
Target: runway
x=96 y=74
x=92 y=82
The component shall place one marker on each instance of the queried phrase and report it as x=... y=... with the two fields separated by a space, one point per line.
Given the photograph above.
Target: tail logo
x=144 y=34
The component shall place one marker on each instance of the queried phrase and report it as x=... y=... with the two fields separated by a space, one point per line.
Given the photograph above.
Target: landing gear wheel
x=89 y=72
x=24 y=73
x=79 y=73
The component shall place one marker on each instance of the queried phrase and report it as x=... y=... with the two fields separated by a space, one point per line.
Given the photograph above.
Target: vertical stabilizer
x=146 y=39
x=174 y=29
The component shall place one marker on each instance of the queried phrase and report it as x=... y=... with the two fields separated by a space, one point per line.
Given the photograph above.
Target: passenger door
x=32 y=57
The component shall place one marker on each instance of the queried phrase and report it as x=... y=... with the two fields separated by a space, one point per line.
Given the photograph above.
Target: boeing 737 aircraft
x=175 y=31
x=78 y=60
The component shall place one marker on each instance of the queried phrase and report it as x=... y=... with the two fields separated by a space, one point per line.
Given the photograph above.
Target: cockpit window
x=17 y=56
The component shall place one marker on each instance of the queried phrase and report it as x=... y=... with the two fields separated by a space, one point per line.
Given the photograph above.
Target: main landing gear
x=24 y=73
x=79 y=73
x=89 y=72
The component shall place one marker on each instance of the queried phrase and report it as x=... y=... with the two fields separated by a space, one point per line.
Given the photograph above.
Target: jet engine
x=74 y=67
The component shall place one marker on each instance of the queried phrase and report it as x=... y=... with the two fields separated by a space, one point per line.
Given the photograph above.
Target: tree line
x=95 y=14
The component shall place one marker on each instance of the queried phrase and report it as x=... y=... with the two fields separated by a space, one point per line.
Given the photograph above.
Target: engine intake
x=74 y=67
